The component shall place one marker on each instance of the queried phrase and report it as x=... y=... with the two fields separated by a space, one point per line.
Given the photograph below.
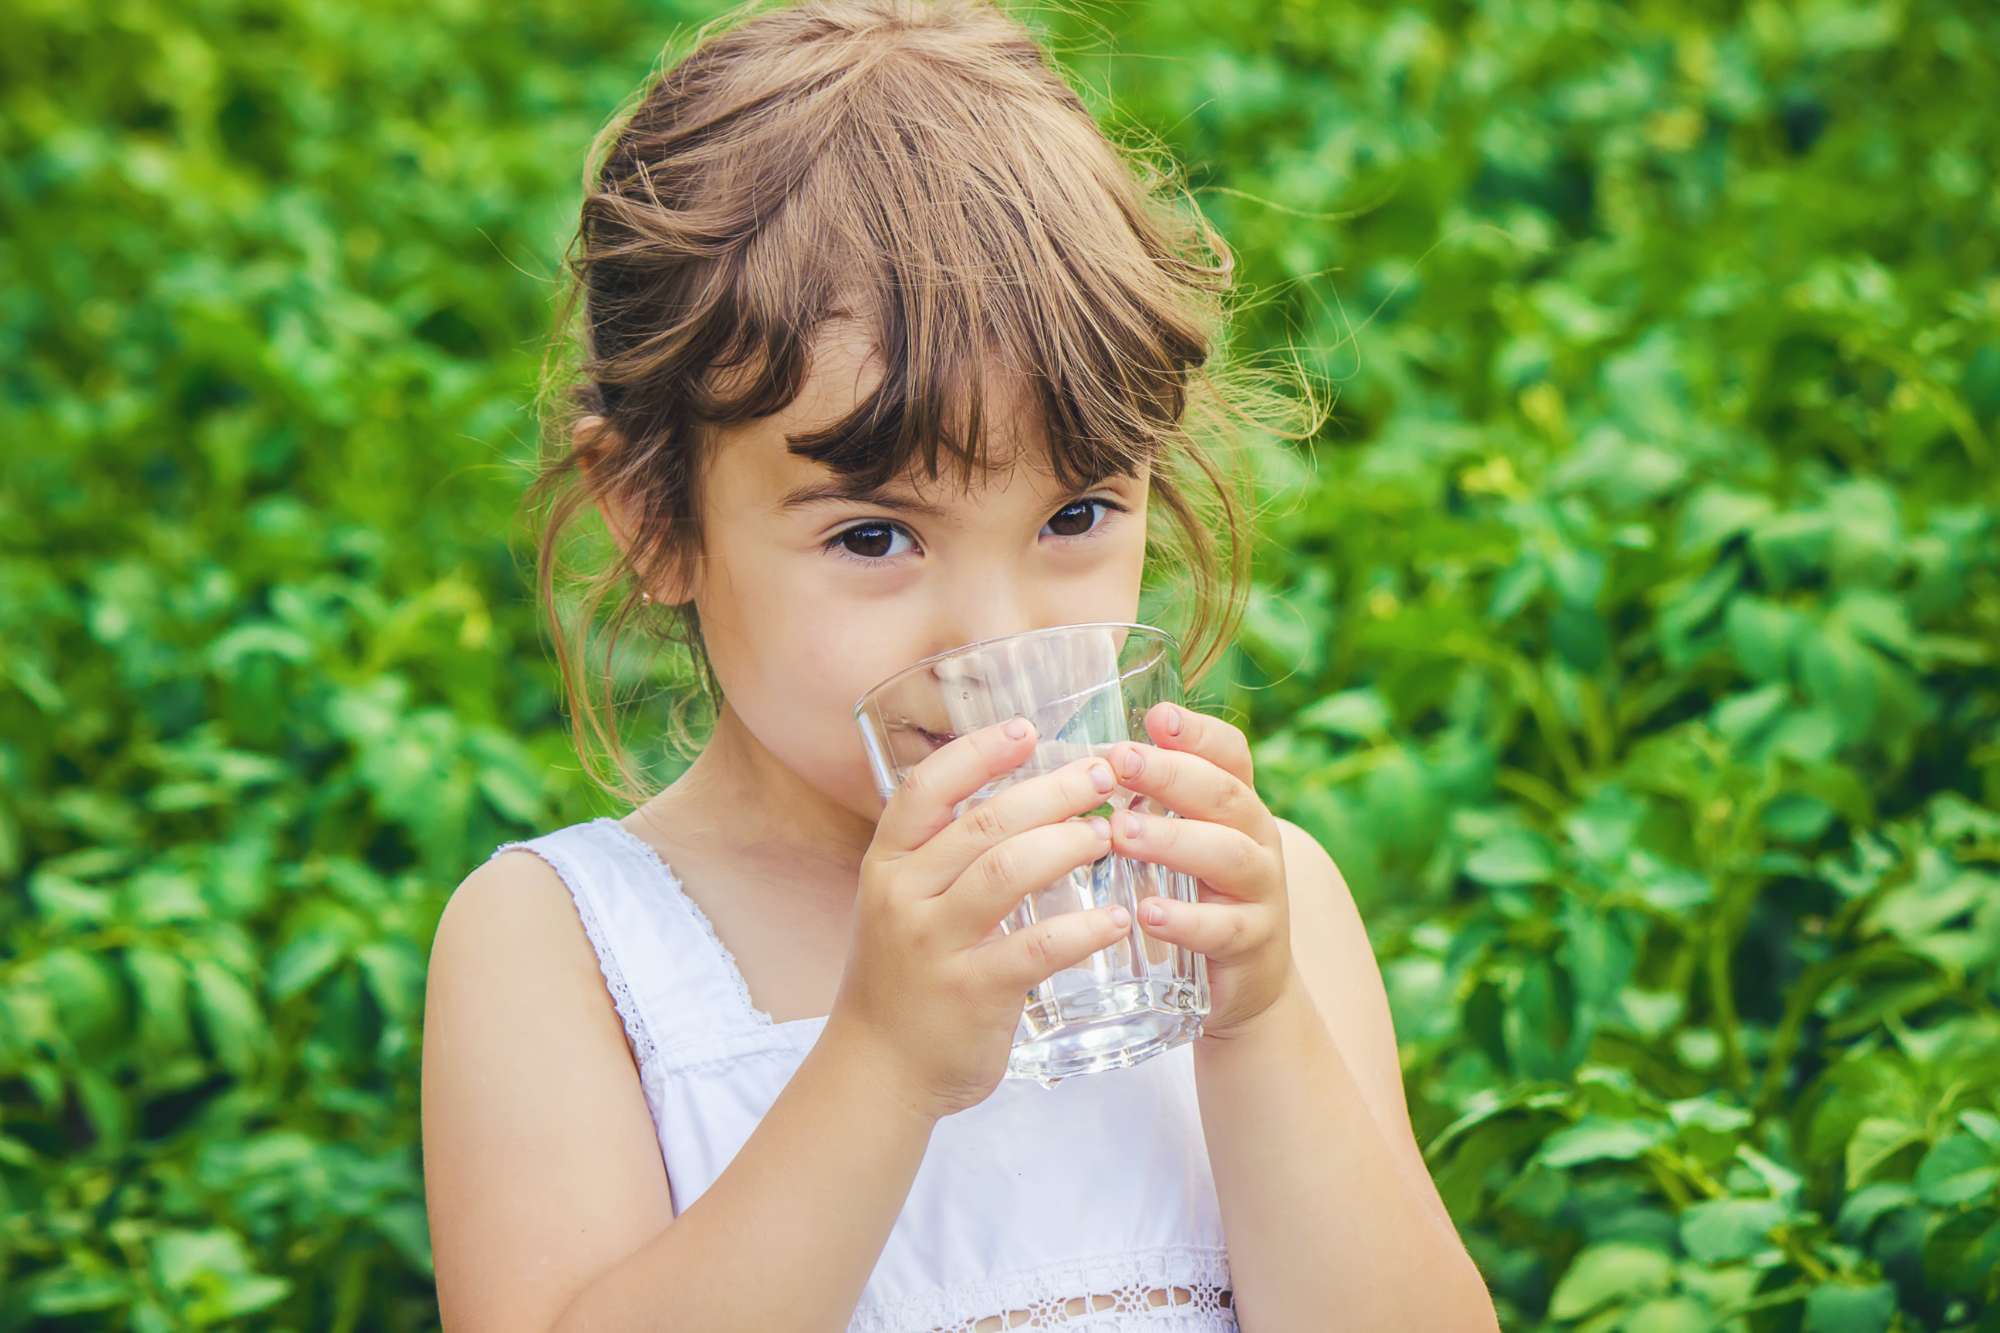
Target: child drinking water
x=734 y=1061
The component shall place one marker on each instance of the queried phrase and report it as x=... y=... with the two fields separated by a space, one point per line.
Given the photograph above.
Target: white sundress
x=1095 y=1194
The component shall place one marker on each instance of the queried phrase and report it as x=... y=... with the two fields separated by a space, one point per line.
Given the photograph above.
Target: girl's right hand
x=932 y=989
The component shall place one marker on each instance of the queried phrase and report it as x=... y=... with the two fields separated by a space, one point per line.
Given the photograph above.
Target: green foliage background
x=1629 y=636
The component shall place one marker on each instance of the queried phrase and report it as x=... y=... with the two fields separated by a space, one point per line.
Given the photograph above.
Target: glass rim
x=1152 y=630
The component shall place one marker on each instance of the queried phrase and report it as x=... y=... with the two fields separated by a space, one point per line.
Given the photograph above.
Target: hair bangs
x=975 y=243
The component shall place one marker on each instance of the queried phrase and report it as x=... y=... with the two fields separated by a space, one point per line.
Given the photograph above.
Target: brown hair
x=921 y=166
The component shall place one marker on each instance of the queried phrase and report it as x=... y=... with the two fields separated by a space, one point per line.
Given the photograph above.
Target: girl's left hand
x=1225 y=837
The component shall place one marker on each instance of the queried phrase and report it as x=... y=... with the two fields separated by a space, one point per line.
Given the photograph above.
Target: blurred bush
x=1629 y=636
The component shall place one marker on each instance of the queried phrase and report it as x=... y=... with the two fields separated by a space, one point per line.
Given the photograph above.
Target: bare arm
x=1325 y=1197
x=548 y=1200
x=786 y=1237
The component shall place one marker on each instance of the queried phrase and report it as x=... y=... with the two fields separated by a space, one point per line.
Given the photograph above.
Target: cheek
x=829 y=649
x=810 y=656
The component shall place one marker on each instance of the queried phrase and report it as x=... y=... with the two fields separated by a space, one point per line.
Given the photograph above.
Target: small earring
x=645 y=597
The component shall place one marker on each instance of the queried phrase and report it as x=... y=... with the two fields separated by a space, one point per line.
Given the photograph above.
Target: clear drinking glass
x=1085 y=687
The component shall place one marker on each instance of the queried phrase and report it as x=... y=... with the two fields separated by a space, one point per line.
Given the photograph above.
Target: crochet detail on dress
x=647 y=850
x=1173 y=1287
x=1111 y=1310
x=644 y=1049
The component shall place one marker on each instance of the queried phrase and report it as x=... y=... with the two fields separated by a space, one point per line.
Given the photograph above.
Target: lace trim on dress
x=647 y=850
x=644 y=1049
x=1192 y=1283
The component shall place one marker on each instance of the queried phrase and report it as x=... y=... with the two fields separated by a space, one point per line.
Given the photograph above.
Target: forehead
x=754 y=463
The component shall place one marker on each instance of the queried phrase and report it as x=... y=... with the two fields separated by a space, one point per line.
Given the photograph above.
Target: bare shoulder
x=541 y=1168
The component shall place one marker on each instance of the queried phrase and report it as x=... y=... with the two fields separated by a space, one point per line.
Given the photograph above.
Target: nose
x=959 y=670
x=990 y=604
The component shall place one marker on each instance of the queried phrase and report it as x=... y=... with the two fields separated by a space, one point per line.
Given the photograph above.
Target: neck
x=727 y=802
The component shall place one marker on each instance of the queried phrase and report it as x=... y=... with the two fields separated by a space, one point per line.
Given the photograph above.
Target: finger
x=996 y=881
x=1021 y=805
x=927 y=799
x=1219 y=930
x=1174 y=727
x=1190 y=785
x=1227 y=860
x=1025 y=958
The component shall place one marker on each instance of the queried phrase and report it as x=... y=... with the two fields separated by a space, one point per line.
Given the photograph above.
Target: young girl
x=734 y=1061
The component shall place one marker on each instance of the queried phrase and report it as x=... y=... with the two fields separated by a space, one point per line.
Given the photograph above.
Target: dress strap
x=579 y=865
x=679 y=991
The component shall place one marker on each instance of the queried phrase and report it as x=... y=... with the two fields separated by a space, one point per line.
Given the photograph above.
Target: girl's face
x=807 y=598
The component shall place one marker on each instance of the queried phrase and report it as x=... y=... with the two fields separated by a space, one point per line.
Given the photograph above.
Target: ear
x=617 y=514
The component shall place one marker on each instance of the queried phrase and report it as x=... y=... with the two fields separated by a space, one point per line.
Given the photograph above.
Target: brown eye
x=1077 y=519
x=869 y=543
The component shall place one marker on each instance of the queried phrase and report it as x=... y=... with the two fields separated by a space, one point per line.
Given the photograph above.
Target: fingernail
x=1130 y=762
x=1100 y=777
x=1017 y=728
x=1128 y=823
x=1100 y=827
x=1156 y=913
x=1120 y=917
x=1173 y=722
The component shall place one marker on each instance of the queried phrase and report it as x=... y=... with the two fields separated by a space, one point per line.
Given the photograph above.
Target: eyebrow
x=843 y=492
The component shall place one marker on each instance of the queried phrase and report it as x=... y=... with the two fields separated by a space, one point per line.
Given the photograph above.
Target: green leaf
x=1741 y=716
x=1789 y=546
x=1707 y=1112
x=1836 y=1307
x=1914 y=911
x=1358 y=713
x=1512 y=856
x=88 y=995
x=1722 y=1230
x=242 y=1295
x=1875 y=1140
x=1607 y=1272
x=214 y=1274
x=1533 y=1021
x=1840 y=674
x=1514 y=589
x=66 y=903
x=1762 y=634
x=1670 y=1314
x=1651 y=1012
x=1984 y=1125
x=67 y=1291
x=182 y=1257
x=1688 y=608
x=1714 y=514
x=307 y=957
x=407 y=1228
x=1796 y=817
x=226 y=655
x=1603 y=827
x=1865 y=1206
x=1958 y=1169
x=512 y=795
x=1783 y=1183
x=108 y=1107
x=161 y=983
x=1595 y=1138
x=230 y=1016
x=395 y=975
x=1963 y=1253
x=1670 y=889
x=158 y=895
